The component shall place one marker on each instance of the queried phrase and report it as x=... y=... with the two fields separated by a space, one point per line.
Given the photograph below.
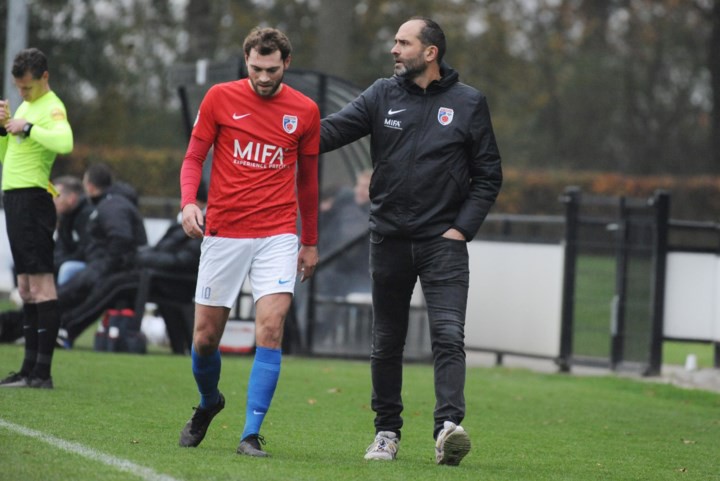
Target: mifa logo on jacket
x=445 y=115
x=289 y=123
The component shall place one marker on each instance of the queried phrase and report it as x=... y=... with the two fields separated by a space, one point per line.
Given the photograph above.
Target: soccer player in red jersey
x=266 y=138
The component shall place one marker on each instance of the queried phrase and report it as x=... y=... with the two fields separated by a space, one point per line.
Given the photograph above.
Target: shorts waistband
x=24 y=190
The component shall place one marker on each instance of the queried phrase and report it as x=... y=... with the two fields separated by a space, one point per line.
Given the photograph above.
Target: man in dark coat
x=115 y=231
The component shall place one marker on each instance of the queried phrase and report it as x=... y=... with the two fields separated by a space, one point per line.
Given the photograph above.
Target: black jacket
x=436 y=164
x=175 y=251
x=115 y=230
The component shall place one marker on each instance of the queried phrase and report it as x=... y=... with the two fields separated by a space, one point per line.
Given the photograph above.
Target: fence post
x=622 y=241
x=571 y=198
x=661 y=202
x=310 y=310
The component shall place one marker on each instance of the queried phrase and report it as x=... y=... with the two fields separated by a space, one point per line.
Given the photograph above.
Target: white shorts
x=270 y=263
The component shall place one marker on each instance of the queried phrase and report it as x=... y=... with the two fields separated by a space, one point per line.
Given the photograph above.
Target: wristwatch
x=26 y=129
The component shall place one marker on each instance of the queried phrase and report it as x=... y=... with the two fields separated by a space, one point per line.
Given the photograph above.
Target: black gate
x=614 y=279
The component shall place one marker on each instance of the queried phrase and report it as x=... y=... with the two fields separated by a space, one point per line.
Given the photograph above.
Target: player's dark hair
x=432 y=34
x=99 y=175
x=29 y=60
x=267 y=41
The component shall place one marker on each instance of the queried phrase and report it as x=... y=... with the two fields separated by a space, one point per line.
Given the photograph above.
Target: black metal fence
x=614 y=280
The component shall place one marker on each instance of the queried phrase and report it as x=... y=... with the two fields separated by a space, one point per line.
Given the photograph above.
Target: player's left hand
x=307 y=261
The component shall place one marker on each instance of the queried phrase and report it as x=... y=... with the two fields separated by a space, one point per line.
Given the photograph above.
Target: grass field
x=118 y=416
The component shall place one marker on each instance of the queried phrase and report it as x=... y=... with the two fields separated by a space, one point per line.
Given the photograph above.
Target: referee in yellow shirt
x=29 y=143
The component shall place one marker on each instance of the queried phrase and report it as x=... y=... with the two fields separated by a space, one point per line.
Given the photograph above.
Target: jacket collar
x=448 y=78
x=97 y=199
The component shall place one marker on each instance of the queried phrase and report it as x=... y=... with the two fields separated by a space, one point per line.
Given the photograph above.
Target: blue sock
x=261 y=387
x=206 y=370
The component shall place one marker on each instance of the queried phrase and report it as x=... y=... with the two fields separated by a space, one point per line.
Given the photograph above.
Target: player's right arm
x=190 y=178
x=205 y=128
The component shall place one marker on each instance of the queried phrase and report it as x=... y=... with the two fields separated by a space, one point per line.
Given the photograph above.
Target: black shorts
x=30 y=218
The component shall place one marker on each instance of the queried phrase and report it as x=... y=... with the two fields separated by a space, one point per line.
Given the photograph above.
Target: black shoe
x=37 y=383
x=194 y=431
x=250 y=446
x=15 y=379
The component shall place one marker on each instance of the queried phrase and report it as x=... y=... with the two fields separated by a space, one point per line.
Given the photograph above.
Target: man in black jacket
x=115 y=230
x=436 y=173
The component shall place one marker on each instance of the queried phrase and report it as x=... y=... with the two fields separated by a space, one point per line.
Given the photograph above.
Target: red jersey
x=257 y=143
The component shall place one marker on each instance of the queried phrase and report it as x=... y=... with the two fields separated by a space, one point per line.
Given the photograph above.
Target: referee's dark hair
x=29 y=60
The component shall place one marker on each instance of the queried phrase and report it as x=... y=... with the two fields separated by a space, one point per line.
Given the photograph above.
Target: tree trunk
x=202 y=28
x=334 y=34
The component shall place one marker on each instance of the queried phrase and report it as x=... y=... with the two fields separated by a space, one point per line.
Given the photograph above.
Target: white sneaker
x=452 y=444
x=384 y=447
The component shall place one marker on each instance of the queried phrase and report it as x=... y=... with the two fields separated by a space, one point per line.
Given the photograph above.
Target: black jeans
x=442 y=266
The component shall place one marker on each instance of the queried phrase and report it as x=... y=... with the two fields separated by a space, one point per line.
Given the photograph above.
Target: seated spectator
x=73 y=209
x=115 y=230
x=343 y=241
x=345 y=268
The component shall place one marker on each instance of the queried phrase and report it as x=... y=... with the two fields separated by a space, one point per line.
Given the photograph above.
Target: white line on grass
x=122 y=464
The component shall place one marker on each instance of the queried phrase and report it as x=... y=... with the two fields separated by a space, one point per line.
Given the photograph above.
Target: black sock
x=48 y=327
x=30 y=323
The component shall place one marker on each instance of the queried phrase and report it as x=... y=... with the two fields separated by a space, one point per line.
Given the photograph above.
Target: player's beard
x=411 y=68
x=267 y=90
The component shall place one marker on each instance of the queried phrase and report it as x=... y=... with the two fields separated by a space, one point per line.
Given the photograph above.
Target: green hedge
x=538 y=192
x=152 y=172
x=155 y=173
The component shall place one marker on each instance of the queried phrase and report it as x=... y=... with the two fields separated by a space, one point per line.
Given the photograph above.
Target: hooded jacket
x=436 y=163
x=115 y=229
